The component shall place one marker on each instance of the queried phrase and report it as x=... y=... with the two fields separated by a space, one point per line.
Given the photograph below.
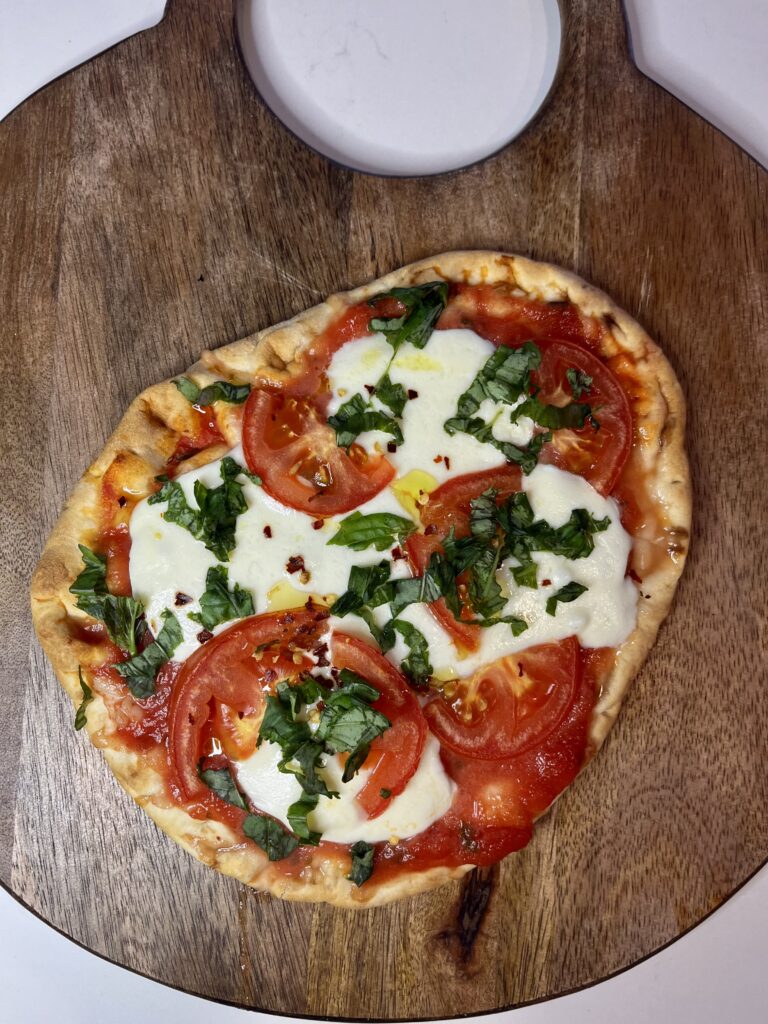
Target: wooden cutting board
x=153 y=207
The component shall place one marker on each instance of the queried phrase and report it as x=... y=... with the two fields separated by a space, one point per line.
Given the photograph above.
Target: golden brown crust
x=148 y=433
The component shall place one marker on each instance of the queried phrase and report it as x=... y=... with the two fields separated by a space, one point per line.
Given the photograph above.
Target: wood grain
x=153 y=207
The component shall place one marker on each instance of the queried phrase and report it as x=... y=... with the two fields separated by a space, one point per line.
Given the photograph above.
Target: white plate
x=402 y=87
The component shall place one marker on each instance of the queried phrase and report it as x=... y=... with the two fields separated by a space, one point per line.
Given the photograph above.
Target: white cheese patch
x=439 y=374
x=424 y=800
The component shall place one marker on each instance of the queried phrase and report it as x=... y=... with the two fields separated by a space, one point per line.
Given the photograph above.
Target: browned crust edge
x=159 y=415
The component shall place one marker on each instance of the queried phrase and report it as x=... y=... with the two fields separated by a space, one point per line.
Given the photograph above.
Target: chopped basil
x=423 y=305
x=140 y=672
x=121 y=615
x=391 y=395
x=566 y=594
x=347 y=724
x=379 y=530
x=218 y=391
x=223 y=785
x=416 y=666
x=356 y=416
x=363 y=582
x=220 y=604
x=506 y=378
x=80 y=714
x=214 y=521
x=580 y=382
x=362 y=862
x=275 y=840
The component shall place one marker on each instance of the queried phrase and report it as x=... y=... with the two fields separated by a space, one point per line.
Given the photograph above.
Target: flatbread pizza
x=351 y=602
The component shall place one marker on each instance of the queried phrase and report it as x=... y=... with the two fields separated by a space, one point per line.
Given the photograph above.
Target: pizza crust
x=145 y=439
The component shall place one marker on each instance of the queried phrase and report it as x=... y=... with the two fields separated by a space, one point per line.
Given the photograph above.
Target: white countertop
x=711 y=53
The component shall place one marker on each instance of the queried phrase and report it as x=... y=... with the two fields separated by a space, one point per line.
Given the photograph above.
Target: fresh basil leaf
x=575 y=539
x=346 y=724
x=564 y=595
x=484 y=516
x=398 y=594
x=423 y=305
x=379 y=530
x=270 y=835
x=121 y=615
x=483 y=588
x=416 y=666
x=553 y=417
x=525 y=456
x=443 y=572
x=363 y=582
x=579 y=381
x=214 y=521
x=279 y=726
x=391 y=395
x=218 y=391
x=80 y=714
x=356 y=416
x=299 y=695
x=304 y=764
x=352 y=686
x=297 y=819
x=220 y=604
x=140 y=672
x=223 y=785
x=362 y=862
x=525 y=575
x=505 y=377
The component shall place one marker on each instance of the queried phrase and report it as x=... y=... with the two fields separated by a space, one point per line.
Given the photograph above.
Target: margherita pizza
x=349 y=604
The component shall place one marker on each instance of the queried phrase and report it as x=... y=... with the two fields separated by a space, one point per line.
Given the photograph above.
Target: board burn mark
x=474 y=900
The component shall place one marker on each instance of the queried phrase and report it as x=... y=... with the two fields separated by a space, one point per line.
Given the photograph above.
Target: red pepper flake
x=267 y=531
x=438 y=458
x=317 y=524
x=391 y=446
x=447 y=462
x=370 y=388
x=270 y=675
x=122 y=501
x=182 y=599
x=204 y=636
x=520 y=668
x=321 y=653
x=412 y=394
x=546 y=583
x=397 y=553
x=295 y=564
x=430 y=530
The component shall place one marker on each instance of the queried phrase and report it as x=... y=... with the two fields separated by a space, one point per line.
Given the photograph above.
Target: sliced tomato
x=598 y=455
x=231 y=670
x=294 y=451
x=395 y=755
x=448 y=508
x=509 y=706
x=236 y=731
x=507 y=319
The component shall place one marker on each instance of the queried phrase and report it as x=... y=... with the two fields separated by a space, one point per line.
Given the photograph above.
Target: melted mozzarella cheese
x=424 y=800
x=166 y=559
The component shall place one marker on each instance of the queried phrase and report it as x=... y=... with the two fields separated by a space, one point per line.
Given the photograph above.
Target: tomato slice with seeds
x=228 y=669
x=448 y=508
x=394 y=756
x=598 y=455
x=294 y=451
x=509 y=706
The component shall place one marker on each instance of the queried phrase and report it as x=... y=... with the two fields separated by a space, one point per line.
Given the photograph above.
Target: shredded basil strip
x=379 y=530
x=423 y=305
x=275 y=840
x=214 y=521
x=80 y=714
x=220 y=604
x=140 y=672
x=347 y=724
x=362 y=862
x=579 y=381
x=122 y=616
x=356 y=416
x=223 y=785
x=566 y=594
x=218 y=391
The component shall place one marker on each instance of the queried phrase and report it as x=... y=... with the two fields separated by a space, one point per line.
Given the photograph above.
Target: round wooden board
x=153 y=207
